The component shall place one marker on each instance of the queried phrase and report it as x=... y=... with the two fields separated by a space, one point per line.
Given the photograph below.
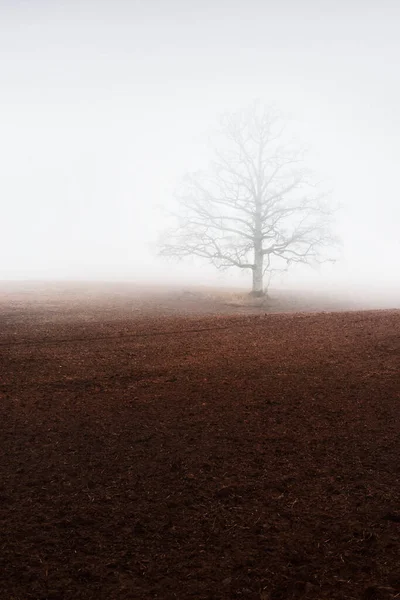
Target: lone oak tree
x=256 y=207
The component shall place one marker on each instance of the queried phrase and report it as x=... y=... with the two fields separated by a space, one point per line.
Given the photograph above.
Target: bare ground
x=181 y=445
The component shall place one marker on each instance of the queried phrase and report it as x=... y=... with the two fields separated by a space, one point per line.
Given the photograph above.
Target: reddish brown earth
x=148 y=455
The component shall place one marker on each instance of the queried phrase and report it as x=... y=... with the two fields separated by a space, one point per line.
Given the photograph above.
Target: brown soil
x=148 y=455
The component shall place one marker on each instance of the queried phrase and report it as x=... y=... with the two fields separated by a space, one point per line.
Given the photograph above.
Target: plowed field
x=147 y=454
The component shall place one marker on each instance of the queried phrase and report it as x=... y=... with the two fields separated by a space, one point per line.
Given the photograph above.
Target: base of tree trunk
x=259 y=294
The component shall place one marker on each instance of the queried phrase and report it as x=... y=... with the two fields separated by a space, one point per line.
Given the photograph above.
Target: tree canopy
x=256 y=207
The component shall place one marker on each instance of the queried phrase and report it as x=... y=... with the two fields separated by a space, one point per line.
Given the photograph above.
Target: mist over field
x=199 y=229
x=106 y=105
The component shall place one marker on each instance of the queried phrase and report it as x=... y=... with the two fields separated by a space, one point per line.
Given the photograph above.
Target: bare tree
x=256 y=207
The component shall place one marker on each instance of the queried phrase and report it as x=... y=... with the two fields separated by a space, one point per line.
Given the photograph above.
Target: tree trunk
x=258 y=288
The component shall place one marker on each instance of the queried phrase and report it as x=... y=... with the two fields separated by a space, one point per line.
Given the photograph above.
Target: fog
x=105 y=105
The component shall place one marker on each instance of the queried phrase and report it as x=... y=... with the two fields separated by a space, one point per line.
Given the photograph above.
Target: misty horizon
x=105 y=106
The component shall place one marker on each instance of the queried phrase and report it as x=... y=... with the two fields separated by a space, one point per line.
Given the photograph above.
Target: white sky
x=105 y=104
